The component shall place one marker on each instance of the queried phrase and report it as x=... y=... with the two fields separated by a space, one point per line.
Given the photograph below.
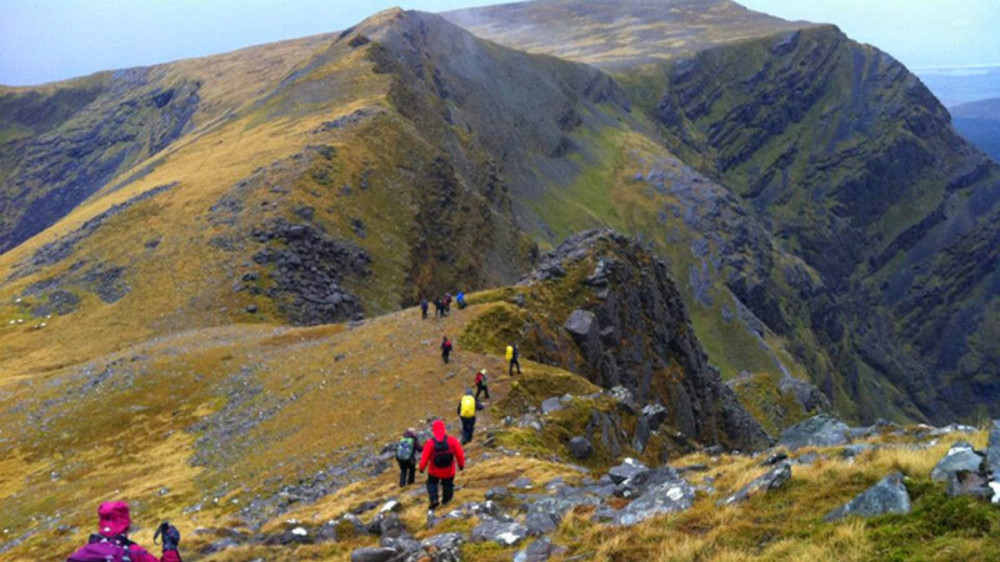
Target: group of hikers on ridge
x=442 y=304
x=441 y=456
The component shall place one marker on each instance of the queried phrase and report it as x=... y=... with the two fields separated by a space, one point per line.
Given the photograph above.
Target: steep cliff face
x=603 y=306
x=62 y=147
x=853 y=165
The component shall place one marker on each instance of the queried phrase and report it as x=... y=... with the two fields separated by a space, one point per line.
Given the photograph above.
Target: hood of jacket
x=438 y=429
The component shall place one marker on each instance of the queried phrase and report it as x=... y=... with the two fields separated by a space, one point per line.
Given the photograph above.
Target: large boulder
x=772 y=480
x=667 y=497
x=580 y=324
x=961 y=456
x=818 y=431
x=550 y=405
x=888 y=496
x=445 y=547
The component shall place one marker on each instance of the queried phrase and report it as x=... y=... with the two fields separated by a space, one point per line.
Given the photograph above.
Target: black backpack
x=443 y=457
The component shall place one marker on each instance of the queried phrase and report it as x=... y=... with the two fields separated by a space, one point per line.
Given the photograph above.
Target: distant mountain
x=980 y=123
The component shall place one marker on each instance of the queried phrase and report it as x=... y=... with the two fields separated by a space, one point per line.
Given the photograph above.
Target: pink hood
x=113 y=519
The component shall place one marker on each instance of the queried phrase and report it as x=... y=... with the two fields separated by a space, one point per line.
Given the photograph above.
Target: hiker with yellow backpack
x=513 y=354
x=467 y=408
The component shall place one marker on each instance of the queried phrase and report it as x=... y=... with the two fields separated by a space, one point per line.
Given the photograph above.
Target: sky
x=47 y=40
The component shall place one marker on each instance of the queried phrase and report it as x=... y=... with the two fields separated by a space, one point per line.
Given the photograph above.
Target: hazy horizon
x=44 y=41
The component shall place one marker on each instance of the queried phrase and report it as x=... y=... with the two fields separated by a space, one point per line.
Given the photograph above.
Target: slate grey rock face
x=668 y=497
x=961 y=456
x=502 y=533
x=580 y=448
x=772 y=480
x=888 y=496
x=373 y=554
x=818 y=431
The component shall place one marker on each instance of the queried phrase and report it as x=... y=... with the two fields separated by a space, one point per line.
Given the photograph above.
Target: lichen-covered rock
x=888 y=496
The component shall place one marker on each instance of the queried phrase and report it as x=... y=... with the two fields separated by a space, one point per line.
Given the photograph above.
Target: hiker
x=481 y=384
x=467 y=407
x=406 y=456
x=446 y=302
x=111 y=542
x=441 y=453
x=460 y=299
x=513 y=354
x=438 y=308
x=445 y=348
x=423 y=307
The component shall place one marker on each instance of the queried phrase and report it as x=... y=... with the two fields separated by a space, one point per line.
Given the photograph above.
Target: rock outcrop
x=626 y=325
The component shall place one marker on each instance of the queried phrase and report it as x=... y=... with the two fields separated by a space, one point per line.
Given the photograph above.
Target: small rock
x=628 y=469
x=772 y=480
x=538 y=551
x=775 y=459
x=504 y=534
x=961 y=456
x=373 y=554
x=522 y=483
x=551 y=405
x=497 y=494
x=580 y=448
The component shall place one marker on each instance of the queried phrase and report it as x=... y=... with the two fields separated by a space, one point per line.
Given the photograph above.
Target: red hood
x=438 y=429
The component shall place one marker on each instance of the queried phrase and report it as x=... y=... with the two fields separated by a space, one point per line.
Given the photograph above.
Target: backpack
x=467 y=409
x=443 y=457
x=510 y=352
x=100 y=549
x=404 y=451
x=480 y=379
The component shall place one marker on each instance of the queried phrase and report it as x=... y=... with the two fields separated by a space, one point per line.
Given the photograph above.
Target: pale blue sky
x=46 y=40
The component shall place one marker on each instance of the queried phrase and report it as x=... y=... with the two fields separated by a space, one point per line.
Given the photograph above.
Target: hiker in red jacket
x=111 y=542
x=445 y=348
x=441 y=454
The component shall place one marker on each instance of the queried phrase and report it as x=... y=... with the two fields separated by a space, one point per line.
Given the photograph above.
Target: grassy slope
x=320 y=379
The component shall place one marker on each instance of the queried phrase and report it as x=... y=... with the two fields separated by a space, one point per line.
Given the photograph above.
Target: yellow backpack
x=468 y=409
x=510 y=352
